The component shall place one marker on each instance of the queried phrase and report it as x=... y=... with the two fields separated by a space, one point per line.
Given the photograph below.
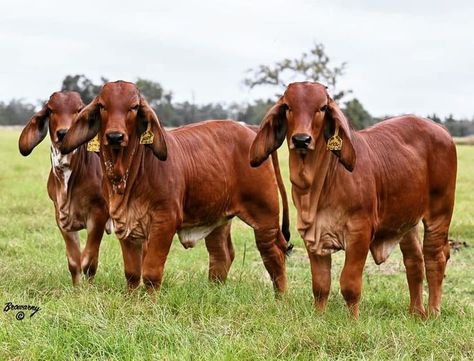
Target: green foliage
x=313 y=66
x=153 y=92
x=193 y=319
x=83 y=85
x=254 y=113
x=359 y=117
x=15 y=112
x=460 y=127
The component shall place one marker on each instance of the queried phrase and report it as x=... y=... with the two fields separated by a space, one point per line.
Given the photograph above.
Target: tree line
x=314 y=65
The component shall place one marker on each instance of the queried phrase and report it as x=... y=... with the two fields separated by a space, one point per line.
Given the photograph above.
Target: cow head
x=123 y=120
x=306 y=115
x=120 y=115
x=57 y=114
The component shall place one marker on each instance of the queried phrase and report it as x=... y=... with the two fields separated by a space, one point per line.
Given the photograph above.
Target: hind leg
x=221 y=253
x=273 y=256
x=436 y=254
x=271 y=244
x=413 y=260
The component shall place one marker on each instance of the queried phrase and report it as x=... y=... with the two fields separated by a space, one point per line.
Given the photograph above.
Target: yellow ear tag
x=335 y=142
x=147 y=136
x=94 y=144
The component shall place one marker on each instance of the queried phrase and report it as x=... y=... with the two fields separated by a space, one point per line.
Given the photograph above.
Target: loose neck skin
x=311 y=174
x=124 y=167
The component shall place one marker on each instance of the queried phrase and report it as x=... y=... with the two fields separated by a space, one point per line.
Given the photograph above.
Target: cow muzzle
x=301 y=141
x=115 y=138
x=60 y=133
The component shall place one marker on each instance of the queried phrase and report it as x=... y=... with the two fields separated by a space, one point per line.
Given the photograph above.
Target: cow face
x=57 y=114
x=120 y=115
x=306 y=115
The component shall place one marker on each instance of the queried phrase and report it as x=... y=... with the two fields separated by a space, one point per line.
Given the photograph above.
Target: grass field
x=195 y=320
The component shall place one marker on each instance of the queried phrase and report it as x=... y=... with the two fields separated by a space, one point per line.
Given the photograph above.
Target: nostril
x=301 y=140
x=61 y=133
x=115 y=137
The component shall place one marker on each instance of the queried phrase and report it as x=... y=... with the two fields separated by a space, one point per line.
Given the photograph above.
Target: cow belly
x=188 y=236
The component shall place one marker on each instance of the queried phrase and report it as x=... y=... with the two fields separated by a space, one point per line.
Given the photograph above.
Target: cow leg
x=262 y=214
x=273 y=256
x=90 y=254
x=351 y=276
x=321 y=278
x=158 y=247
x=132 y=261
x=73 y=253
x=436 y=255
x=220 y=255
x=413 y=260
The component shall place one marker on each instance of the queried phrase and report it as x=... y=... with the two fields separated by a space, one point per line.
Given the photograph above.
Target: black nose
x=61 y=133
x=114 y=138
x=301 y=141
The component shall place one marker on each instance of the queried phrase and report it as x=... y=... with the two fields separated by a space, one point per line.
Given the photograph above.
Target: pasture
x=193 y=319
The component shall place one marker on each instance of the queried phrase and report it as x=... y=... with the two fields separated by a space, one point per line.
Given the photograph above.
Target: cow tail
x=285 y=223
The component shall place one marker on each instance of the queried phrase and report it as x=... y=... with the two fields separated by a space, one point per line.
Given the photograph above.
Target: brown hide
x=74 y=183
x=371 y=194
x=190 y=181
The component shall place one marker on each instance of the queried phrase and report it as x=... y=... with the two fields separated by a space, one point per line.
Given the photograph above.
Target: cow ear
x=270 y=135
x=35 y=131
x=84 y=128
x=339 y=127
x=150 y=130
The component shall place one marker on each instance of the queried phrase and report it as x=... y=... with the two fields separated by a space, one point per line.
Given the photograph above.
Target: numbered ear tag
x=147 y=136
x=335 y=142
x=94 y=144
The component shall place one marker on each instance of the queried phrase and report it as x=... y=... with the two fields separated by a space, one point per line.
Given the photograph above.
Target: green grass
x=193 y=319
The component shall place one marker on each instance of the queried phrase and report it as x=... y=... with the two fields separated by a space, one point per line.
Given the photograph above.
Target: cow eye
x=324 y=108
x=135 y=108
x=101 y=106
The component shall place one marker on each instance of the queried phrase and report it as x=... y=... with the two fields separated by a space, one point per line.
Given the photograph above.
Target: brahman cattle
x=364 y=190
x=190 y=181
x=74 y=183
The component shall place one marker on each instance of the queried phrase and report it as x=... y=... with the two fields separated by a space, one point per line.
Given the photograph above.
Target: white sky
x=403 y=56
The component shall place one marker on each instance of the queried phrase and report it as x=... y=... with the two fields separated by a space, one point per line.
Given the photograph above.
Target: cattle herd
x=115 y=168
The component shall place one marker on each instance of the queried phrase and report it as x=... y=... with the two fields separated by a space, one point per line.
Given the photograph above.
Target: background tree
x=15 y=112
x=83 y=85
x=254 y=113
x=312 y=66
x=358 y=116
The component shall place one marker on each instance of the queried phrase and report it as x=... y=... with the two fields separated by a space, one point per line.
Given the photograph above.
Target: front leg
x=73 y=253
x=132 y=260
x=357 y=249
x=321 y=278
x=158 y=247
x=95 y=232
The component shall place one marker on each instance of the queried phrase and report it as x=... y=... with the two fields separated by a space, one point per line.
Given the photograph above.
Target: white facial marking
x=61 y=165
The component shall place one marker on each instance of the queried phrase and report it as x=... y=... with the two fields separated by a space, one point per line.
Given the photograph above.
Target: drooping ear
x=84 y=127
x=148 y=122
x=270 y=135
x=35 y=131
x=336 y=119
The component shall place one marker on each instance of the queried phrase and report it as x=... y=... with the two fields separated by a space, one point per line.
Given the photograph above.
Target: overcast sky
x=403 y=56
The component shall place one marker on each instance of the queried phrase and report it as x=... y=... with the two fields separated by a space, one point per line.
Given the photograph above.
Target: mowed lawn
x=195 y=320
